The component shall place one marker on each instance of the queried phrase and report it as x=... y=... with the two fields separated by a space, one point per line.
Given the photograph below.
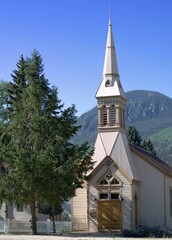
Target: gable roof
x=115 y=146
x=152 y=159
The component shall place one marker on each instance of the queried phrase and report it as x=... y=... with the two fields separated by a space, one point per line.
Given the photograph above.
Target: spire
x=110 y=85
x=109 y=12
x=110 y=63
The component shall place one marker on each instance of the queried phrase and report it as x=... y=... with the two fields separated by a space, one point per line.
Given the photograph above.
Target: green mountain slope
x=163 y=144
x=162 y=135
x=149 y=111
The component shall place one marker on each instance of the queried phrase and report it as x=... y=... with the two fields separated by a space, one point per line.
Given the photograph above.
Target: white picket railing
x=44 y=227
x=4 y=226
x=1 y=226
x=19 y=227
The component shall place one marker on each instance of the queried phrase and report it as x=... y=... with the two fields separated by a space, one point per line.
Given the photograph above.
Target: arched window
x=109 y=187
x=109 y=179
x=104 y=116
x=112 y=115
x=107 y=84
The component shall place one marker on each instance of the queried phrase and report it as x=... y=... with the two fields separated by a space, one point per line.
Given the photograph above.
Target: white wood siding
x=151 y=194
x=93 y=197
x=126 y=194
x=79 y=209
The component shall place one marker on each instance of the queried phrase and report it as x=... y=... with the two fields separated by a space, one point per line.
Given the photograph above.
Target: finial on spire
x=109 y=13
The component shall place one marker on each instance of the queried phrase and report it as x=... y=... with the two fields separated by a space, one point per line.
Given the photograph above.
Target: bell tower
x=110 y=94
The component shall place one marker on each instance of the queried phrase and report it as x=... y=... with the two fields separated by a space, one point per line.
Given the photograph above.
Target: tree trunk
x=33 y=219
x=54 y=227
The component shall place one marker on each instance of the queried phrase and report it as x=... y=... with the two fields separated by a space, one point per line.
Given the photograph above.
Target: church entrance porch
x=109 y=215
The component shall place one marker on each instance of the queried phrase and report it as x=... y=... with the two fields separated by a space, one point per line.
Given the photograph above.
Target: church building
x=127 y=186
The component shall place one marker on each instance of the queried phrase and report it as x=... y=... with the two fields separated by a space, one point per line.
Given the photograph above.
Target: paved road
x=43 y=237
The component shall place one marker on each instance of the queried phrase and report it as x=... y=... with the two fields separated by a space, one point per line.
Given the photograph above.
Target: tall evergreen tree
x=44 y=165
x=3 y=100
x=17 y=86
x=148 y=146
x=134 y=136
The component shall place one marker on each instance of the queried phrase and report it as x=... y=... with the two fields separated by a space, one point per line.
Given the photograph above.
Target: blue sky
x=71 y=37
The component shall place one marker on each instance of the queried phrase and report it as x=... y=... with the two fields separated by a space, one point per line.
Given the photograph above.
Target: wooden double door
x=109 y=215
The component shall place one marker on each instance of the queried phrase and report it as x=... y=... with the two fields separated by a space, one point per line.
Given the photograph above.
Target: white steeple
x=111 y=142
x=110 y=85
x=110 y=64
x=110 y=95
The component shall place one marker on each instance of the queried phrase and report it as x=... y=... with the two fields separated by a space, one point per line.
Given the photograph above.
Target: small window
x=108 y=83
x=109 y=176
x=103 y=196
x=109 y=179
x=104 y=116
x=114 y=196
x=114 y=181
x=103 y=182
x=112 y=115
